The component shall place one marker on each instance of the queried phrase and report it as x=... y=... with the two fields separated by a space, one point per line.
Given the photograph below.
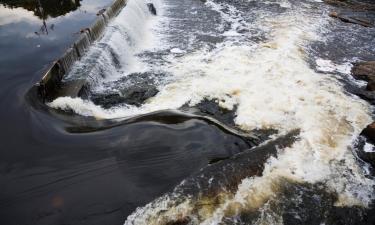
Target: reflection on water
x=24 y=27
x=44 y=8
x=24 y=145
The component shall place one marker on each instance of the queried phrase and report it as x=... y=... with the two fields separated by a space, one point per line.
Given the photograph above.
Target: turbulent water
x=273 y=63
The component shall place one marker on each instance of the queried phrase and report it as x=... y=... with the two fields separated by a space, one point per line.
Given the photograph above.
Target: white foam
x=281 y=3
x=325 y=65
x=177 y=51
x=369 y=147
x=133 y=31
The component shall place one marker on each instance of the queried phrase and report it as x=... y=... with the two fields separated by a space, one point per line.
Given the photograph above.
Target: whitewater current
x=255 y=62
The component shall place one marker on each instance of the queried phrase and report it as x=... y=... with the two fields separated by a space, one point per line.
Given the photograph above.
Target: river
x=209 y=112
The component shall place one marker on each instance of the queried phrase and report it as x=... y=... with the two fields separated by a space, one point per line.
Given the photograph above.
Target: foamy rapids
x=273 y=87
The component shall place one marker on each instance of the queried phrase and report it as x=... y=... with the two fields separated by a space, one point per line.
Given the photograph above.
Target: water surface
x=171 y=107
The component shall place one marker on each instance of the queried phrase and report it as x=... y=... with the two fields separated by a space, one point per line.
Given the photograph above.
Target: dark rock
x=227 y=174
x=135 y=95
x=369 y=134
x=365 y=95
x=311 y=204
x=133 y=89
x=182 y=221
x=151 y=8
x=208 y=188
x=100 y=12
x=307 y=201
x=351 y=19
x=351 y=215
x=370 y=86
x=216 y=160
x=364 y=71
x=368 y=157
x=352 y=4
x=211 y=108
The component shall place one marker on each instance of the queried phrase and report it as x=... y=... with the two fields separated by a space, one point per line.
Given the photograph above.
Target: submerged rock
x=182 y=221
x=351 y=215
x=364 y=71
x=306 y=204
x=133 y=89
x=135 y=95
x=213 y=189
x=367 y=95
x=227 y=174
x=366 y=148
x=353 y=11
x=151 y=8
x=351 y=18
x=212 y=109
x=209 y=189
x=100 y=12
x=310 y=204
x=369 y=133
x=352 y=4
x=370 y=86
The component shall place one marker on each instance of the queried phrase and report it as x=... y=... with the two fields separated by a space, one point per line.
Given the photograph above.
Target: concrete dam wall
x=50 y=85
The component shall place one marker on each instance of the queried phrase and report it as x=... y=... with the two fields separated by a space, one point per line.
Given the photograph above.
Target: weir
x=50 y=85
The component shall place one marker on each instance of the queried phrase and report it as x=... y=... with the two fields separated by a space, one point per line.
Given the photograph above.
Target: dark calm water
x=171 y=107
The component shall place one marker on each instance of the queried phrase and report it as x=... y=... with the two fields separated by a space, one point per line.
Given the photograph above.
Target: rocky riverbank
x=360 y=13
x=366 y=71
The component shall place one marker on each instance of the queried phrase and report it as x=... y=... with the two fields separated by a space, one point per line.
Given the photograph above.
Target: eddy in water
x=259 y=60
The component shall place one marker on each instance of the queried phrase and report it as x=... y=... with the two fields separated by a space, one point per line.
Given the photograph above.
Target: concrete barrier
x=83 y=43
x=109 y=13
x=67 y=60
x=97 y=28
x=51 y=81
x=50 y=86
x=117 y=6
x=106 y=18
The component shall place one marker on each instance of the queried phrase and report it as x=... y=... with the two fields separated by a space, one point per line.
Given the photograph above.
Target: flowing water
x=253 y=69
